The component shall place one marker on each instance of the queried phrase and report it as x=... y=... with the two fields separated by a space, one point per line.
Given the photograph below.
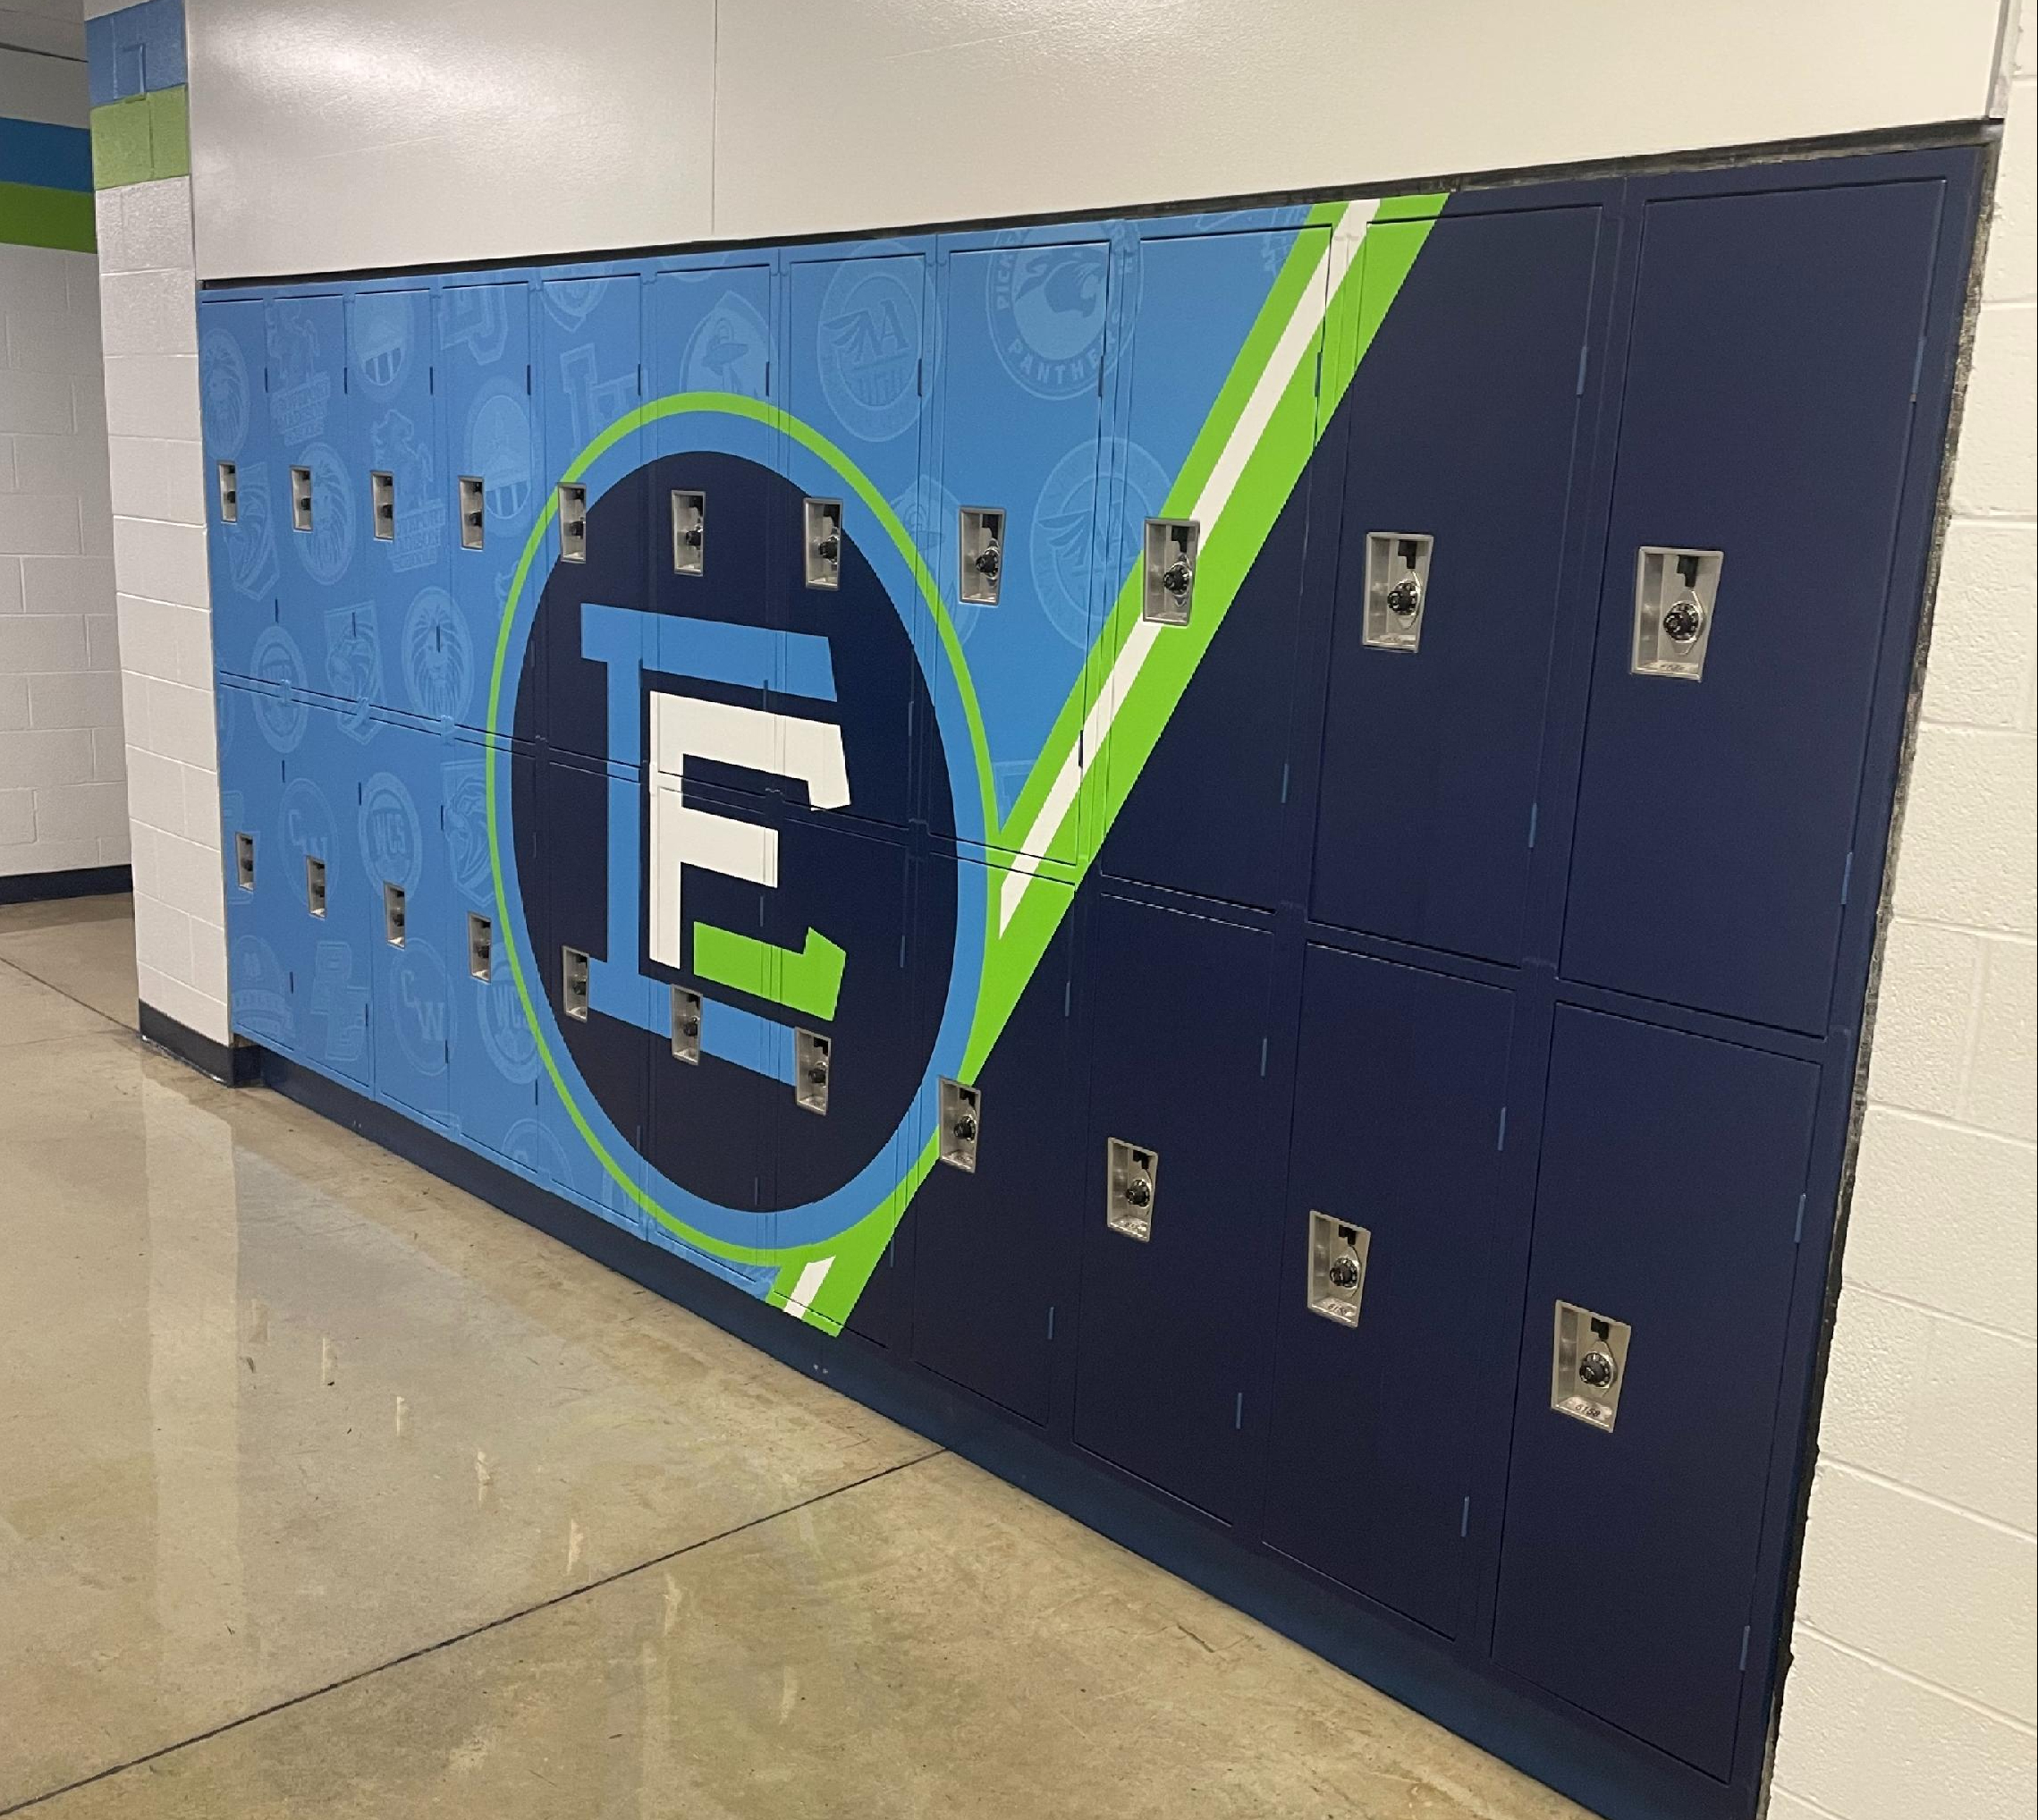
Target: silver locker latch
x=824 y=535
x=689 y=533
x=573 y=983
x=244 y=861
x=686 y=1025
x=1588 y=1365
x=473 y=511
x=1674 y=595
x=980 y=545
x=480 y=947
x=314 y=886
x=1169 y=571
x=392 y=909
x=382 y=492
x=1338 y=1255
x=300 y=499
x=1130 y=1175
x=961 y=1125
x=810 y=1070
x=1397 y=589
x=229 y=492
x=572 y=523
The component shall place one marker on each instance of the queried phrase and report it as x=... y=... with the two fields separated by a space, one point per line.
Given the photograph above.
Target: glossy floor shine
x=325 y=1489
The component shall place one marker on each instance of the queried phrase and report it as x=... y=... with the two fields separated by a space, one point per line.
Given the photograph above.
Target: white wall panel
x=376 y=132
x=372 y=133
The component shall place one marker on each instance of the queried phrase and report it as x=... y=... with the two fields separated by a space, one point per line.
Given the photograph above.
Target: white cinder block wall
x=63 y=804
x=149 y=313
x=1912 y=1690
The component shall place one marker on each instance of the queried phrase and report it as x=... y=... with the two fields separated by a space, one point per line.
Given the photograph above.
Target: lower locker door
x=1666 y=1213
x=325 y=925
x=403 y=854
x=1392 y=1177
x=256 y=885
x=992 y=1239
x=1173 y=1329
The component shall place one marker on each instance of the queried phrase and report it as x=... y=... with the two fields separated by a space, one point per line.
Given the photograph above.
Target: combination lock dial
x=1596 y=1370
x=966 y=1128
x=1344 y=1272
x=1404 y=597
x=1683 y=620
x=1138 y=1192
x=988 y=560
x=828 y=547
x=1175 y=577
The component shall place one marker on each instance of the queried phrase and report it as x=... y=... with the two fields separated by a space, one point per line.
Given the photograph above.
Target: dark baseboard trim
x=80 y=881
x=229 y=1064
x=1611 y=1775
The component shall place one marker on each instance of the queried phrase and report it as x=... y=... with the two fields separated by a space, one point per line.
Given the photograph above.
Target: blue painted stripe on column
x=51 y=157
x=136 y=50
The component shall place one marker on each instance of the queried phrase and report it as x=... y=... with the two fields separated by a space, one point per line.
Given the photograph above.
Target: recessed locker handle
x=382 y=491
x=572 y=523
x=229 y=493
x=473 y=511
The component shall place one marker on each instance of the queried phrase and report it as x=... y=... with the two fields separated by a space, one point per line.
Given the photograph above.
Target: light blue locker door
x=492 y=467
x=495 y=1069
x=241 y=480
x=324 y=922
x=859 y=350
x=402 y=848
x=320 y=506
x=590 y=373
x=400 y=619
x=1020 y=413
x=260 y=1006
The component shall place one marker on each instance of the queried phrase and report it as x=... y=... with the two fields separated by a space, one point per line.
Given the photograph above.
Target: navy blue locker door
x=320 y=508
x=402 y=846
x=1766 y=412
x=404 y=609
x=1462 y=420
x=326 y=944
x=590 y=374
x=992 y=1247
x=1208 y=812
x=1400 y=1083
x=858 y=343
x=496 y=1072
x=489 y=435
x=1173 y=1331
x=233 y=352
x=1667 y=1201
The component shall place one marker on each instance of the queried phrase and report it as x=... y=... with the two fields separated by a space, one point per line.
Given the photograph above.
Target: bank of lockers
x=1412 y=1147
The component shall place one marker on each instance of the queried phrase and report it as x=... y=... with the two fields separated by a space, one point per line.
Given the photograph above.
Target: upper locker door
x=492 y=488
x=241 y=493
x=597 y=549
x=1766 y=413
x=400 y=623
x=1011 y=527
x=1393 y=1179
x=1191 y=719
x=320 y=511
x=1463 y=419
x=1658 y=1294
x=859 y=348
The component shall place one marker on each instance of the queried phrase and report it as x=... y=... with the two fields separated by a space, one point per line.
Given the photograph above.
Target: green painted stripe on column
x=31 y=215
x=141 y=138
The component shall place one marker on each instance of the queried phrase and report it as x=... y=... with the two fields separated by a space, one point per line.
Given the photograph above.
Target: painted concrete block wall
x=150 y=321
x=1912 y=1691
x=62 y=801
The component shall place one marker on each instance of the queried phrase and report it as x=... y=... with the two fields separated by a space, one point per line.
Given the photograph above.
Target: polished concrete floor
x=326 y=1489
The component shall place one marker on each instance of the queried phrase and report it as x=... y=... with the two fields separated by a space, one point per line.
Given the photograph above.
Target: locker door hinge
x=902 y=948
x=1501 y=1142
x=767 y=378
x=1068 y=989
x=1745 y=1630
x=641 y=378
x=1847 y=879
x=264 y=378
x=1051 y=1320
x=527 y=379
x=1238 y=1410
x=1585 y=354
x=1917 y=368
x=346 y=380
x=1798 y=1237
x=921 y=378
x=1284 y=783
x=1464 y=1519
x=1535 y=816
x=1263 y=1058
x=432 y=379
